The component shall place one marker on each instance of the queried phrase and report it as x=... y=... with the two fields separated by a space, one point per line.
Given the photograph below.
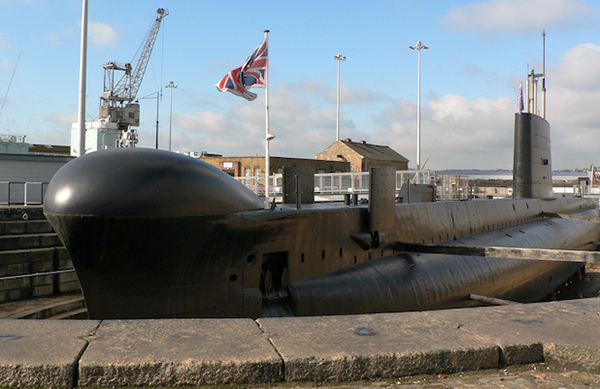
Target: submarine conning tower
x=532 y=170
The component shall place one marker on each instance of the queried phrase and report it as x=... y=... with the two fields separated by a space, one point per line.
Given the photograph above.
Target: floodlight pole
x=339 y=58
x=157 y=93
x=171 y=86
x=418 y=47
x=82 y=78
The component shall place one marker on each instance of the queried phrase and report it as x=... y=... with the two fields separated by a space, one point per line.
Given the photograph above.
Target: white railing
x=22 y=193
x=336 y=183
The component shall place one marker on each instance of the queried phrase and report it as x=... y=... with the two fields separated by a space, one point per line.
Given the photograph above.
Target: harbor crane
x=117 y=103
x=119 y=111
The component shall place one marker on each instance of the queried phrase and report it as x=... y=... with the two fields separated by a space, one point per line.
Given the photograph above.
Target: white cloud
x=456 y=132
x=51 y=38
x=302 y=128
x=495 y=17
x=101 y=34
x=319 y=90
x=61 y=119
x=572 y=107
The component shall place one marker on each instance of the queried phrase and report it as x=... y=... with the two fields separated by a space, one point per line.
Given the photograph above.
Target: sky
x=479 y=52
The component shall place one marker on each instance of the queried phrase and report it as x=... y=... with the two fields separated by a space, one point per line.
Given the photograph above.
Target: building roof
x=374 y=152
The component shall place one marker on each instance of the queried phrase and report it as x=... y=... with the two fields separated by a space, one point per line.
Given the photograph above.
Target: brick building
x=362 y=155
x=255 y=166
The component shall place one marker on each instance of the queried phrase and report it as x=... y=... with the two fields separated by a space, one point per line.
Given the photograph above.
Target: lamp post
x=339 y=58
x=418 y=47
x=157 y=97
x=82 y=78
x=172 y=86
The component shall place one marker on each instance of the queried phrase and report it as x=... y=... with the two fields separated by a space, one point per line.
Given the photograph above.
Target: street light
x=157 y=97
x=418 y=47
x=172 y=86
x=338 y=58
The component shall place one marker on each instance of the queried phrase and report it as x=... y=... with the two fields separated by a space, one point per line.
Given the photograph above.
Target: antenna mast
x=544 y=74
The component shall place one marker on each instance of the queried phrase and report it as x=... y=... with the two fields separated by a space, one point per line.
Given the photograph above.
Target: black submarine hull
x=171 y=236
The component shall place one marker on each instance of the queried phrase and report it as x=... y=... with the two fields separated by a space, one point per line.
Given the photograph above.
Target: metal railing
x=41 y=274
x=22 y=193
x=336 y=183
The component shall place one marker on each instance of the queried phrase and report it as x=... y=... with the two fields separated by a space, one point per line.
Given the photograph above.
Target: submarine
x=155 y=234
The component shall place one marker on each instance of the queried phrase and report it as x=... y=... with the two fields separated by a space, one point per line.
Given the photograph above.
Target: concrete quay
x=273 y=351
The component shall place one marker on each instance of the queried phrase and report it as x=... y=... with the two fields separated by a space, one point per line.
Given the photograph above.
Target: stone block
x=15 y=257
x=42 y=254
x=16 y=283
x=179 y=352
x=527 y=332
x=14 y=269
x=9 y=243
x=44 y=290
x=42 y=266
x=359 y=347
x=64 y=264
x=27 y=241
x=12 y=228
x=62 y=254
x=42 y=280
x=41 y=353
x=49 y=240
x=67 y=287
x=38 y=227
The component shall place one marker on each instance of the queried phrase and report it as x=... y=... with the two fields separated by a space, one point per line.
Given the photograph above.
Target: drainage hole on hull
x=251 y=259
x=233 y=277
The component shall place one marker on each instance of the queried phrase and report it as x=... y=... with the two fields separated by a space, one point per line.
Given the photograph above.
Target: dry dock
x=80 y=353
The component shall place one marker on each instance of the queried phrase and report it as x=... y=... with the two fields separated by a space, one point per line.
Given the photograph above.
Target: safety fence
x=22 y=193
x=337 y=183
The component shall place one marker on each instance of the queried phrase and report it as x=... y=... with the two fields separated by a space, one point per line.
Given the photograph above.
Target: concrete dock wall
x=90 y=353
x=29 y=245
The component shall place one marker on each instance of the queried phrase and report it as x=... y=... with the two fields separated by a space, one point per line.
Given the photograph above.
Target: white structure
x=99 y=135
x=11 y=144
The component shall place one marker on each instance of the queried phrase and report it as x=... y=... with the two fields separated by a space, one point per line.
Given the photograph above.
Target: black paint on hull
x=214 y=252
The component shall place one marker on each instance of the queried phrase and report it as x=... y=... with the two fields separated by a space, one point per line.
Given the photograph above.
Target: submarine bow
x=144 y=182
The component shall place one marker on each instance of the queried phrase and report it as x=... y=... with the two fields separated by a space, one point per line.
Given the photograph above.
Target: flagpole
x=268 y=135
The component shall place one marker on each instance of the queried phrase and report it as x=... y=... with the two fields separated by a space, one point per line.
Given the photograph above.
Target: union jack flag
x=251 y=74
